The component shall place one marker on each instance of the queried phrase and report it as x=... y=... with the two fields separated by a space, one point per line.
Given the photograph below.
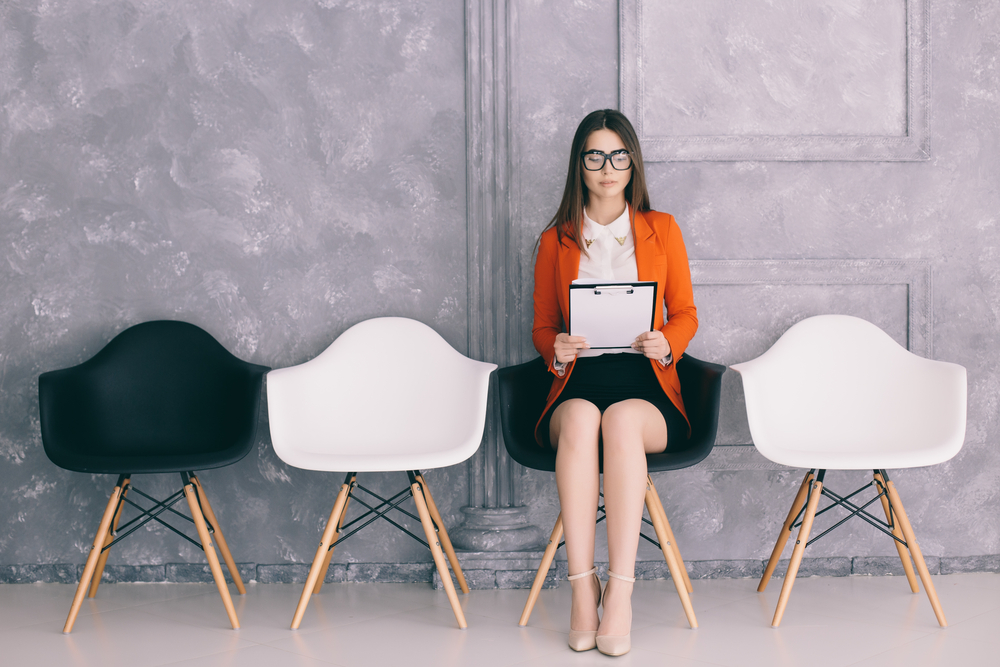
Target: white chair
x=836 y=392
x=388 y=395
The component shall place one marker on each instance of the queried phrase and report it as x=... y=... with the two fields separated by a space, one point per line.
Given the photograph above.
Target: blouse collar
x=618 y=228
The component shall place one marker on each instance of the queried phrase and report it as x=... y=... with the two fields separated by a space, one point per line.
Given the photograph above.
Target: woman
x=610 y=400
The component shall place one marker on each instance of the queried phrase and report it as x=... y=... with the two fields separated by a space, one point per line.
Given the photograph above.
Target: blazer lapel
x=645 y=262
x=569 y=270
x=644 y=251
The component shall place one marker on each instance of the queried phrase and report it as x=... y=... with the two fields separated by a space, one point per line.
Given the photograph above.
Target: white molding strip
x=914 y=274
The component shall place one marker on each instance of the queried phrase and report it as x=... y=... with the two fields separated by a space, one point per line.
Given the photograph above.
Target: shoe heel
x=585 y=640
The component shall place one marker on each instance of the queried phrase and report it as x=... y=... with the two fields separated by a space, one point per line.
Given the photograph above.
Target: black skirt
x=611 y=378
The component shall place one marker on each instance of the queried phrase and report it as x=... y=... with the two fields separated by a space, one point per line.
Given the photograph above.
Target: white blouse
x=611 y=249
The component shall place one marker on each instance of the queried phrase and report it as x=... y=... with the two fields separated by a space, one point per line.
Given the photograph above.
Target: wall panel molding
x=661 y=145
x=914 y=274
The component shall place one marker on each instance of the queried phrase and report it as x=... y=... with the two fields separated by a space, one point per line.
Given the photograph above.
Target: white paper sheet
x=610 y=315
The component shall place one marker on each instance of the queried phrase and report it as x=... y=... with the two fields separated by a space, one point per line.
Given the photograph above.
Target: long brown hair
x=568 y=220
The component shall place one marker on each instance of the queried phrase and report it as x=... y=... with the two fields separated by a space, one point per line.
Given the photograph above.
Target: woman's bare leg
x=573 y=432
x=630 y=429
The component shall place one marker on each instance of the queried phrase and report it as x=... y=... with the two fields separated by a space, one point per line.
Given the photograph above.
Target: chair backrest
x=385 y=389
x=162 y=396
x=524 y=388
x=836 y=383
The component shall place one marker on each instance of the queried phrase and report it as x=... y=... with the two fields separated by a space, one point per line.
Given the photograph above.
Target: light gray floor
x=831 y=622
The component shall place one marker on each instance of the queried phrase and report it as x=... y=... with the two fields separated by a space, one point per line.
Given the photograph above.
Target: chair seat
x=836 y=392
x=857 y=457
x=162 y=396
x=348 y=410
x=385 y=461
x=523 y=389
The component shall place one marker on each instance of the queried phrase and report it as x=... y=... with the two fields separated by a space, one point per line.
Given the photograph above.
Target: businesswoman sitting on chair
x=626 y=405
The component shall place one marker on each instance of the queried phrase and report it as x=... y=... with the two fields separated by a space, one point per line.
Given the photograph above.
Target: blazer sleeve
x=678 y=295
x=548 y=321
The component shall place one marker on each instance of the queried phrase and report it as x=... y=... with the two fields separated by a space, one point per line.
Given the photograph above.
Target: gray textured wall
x=273 y=171
x=277 y=170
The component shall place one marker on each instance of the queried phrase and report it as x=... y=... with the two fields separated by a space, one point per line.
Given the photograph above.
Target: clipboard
x=611 y=314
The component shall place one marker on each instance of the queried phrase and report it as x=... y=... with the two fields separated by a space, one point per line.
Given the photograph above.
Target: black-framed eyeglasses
x=594 y=160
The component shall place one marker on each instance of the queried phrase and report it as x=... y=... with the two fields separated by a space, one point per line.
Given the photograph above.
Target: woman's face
x=607 y=182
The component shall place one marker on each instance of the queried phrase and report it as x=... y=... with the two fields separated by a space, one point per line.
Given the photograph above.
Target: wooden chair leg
x=435 y=544
x=94 y=556
x=904 y=555
x=786 y=530
x=918 y=557
x=321 y=552
x=210 y=555
x=325 y=567
x=219 y=537
x=329 y=553
x=669 y=555
x=449 y=550
x=670 y=533
x=543 y=569
x=800 y=547
x=105 y=551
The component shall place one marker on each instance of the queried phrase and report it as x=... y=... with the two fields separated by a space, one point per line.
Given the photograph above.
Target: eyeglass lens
x=594 y=160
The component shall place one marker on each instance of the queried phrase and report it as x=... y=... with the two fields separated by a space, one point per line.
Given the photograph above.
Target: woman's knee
x=621 y=419
x=575 y=423
x=624 y=425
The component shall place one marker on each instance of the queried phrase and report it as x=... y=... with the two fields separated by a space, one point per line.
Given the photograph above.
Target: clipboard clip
x=611 y=291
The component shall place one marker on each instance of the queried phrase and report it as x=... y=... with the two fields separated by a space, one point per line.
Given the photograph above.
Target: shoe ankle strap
x=631 y=580
x=583 y=574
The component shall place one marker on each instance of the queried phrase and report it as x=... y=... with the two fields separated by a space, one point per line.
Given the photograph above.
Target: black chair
x=523 y=390
x=161 y=397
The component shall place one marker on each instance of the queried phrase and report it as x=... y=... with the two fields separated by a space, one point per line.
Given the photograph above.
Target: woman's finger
x=576 y=341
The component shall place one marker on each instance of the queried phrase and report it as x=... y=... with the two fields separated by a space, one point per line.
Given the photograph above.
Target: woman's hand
x=566 y=347
x=652 y=344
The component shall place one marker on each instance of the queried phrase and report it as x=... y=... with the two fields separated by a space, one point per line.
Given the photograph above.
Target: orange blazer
x=659 y=254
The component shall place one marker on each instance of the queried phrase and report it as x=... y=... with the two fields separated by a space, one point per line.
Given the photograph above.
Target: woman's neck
x=604 y=211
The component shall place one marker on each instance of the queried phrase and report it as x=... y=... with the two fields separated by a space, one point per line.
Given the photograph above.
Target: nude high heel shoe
x=584 y=640
x=616 y=644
